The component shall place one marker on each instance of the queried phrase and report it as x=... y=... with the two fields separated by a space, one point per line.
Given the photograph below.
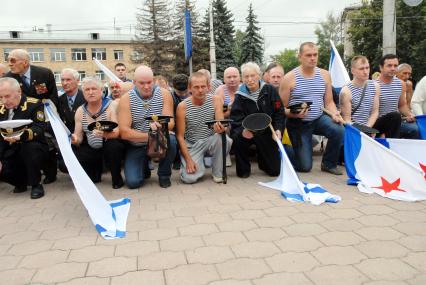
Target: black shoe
x=333 y=170
x=48 y=180
x=20 y=189
x=244 y=175
x=118 y=185
x=176 y=165
x=37 y=191
x=165 y=182
x=147 y=174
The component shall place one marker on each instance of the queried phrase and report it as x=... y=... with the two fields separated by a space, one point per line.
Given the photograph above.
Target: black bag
x=157 y=144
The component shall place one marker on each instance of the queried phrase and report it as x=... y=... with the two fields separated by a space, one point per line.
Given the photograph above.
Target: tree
x=153 y=35
x=330 y=29
x=287 y=58
x=200 y=52
x=223 y=30
x=239 y=36
x=367 y=27
x=252 y=43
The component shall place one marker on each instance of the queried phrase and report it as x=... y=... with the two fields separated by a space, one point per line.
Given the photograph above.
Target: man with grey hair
x=145 y=100
x=22 y=155
x=3 y=69
x=255 y=96
x=36 y=82
x=71 y=99
x=404 y=72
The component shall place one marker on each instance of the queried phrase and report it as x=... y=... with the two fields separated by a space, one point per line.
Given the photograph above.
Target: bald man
x=144 y=100
x=232 y=79
x=3 y=69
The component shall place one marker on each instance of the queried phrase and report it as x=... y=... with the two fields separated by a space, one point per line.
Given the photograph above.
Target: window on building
x=57 y=75
x=94 y=36
x=99 y=53
x=78 y=54
x=36 y=54
x=15 y=34
x=82 y=74
x=100 y=74
x=6 y=52
x=57 y=54
x=118 y=54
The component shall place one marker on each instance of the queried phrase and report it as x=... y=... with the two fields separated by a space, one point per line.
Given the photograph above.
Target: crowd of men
x=299 y=103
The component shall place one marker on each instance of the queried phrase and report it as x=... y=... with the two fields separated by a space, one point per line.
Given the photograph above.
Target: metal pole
x=190 y=65
x=389 y=27
x=212 y=44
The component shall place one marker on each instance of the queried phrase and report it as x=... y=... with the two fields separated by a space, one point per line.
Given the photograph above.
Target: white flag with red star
x=374 y=168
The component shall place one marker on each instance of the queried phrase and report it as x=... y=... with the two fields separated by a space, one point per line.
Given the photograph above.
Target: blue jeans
x=409 y=130
x=136 y=162
x=301 y=134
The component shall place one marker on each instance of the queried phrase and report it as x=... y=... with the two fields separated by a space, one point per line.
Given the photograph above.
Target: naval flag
x=339 y=74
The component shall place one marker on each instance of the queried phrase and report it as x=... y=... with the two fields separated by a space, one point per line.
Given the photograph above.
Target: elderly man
x=21 y=157
x=195 y=138
x=254 y=96
x=359 y=99
x=404 y=72
x=121 y=72
x=145 y=100
x=308 y=83
x=418 y=103
x=3 y=69
x=96 y=145
x=392 y=98
x=232 y=80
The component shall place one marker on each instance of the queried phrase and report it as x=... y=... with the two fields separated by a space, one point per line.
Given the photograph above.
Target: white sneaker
x=217 y=179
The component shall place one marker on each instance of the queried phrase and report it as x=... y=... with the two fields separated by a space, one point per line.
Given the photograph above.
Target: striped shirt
x=309 y=89
x=227 y=100
x=389 y=96
x=196 y=118
x=363 y=113
x=141 y=108
x=94 y=141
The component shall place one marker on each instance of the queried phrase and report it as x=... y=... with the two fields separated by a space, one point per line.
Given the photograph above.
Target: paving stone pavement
x=214 y=234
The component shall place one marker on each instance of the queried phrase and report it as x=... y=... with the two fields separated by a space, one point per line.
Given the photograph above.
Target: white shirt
x=418 y=101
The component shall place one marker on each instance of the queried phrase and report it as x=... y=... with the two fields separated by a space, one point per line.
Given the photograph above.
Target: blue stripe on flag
x=296 y=197
x=421 y=123
x=124 y=201
x=383 y=142
x=352 y=149
x=332 y=200
x=315 y=189
x=100 y=229
x=120 y=234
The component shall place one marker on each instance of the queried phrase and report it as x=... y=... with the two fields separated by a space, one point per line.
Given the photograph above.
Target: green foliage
x=252 y=42
x=367 y=28
x=287 y=58
x=331 y=28
x=239 y=36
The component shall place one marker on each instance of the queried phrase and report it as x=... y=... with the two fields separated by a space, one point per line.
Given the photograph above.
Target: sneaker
x=333 y=170
x=165 y=182
x=228 y=161
x=217 y=179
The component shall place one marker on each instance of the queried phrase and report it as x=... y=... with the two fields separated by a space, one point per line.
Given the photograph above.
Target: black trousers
x=268 y=155
x=112 y=152
x=22 y=163
x=389 y=124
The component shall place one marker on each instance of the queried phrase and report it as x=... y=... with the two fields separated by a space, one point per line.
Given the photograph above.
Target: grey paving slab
x=213 y=234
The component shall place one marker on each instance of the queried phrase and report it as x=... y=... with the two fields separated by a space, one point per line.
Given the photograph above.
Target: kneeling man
x=194 y=136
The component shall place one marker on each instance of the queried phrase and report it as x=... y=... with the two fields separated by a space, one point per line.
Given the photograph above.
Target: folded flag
x=109 y=217
x=375 y=168
x=421 y=123
x=293 y=189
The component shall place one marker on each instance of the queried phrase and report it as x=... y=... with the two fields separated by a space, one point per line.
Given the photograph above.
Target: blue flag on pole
x=188 y=36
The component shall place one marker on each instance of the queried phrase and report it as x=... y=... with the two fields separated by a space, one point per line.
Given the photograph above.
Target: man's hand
x=191 y=167
x=301 y=114
x=337 y=118
x=74 y=139
x=247 y=134
x=410 y=118
x=278 y=134
x=218 y=128
x=155 y=125
x=98 y=133
x=12 y=140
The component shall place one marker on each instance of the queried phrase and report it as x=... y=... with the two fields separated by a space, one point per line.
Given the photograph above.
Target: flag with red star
x=392 y=168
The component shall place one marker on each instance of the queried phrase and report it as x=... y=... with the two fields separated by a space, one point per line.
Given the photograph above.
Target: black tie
x=24 y=81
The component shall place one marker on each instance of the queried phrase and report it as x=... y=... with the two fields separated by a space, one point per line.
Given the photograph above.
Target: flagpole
x=212 y=44
x=190 y=65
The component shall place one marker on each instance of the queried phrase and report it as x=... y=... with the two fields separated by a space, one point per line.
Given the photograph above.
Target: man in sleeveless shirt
x=308 y=83
x=194 y=136
x=359 y=99
x=226 y=91
x=145 y=99
x=392 y=98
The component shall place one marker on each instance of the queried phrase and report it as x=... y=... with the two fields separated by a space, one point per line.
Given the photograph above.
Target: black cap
x=159 y=118
x=13 y=128
x=224 y=122
x=299 y=107
x=256 y=122
x=106 y=126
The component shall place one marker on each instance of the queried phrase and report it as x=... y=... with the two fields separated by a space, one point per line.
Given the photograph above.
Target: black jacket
x=268 y=102
x=29 y=108
x=67 y=115
x=43 y=85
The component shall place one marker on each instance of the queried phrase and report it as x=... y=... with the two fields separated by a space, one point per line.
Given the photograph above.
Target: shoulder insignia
x=24 y=107
x=40 y=116
x=2 y=109
x=32 y=100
